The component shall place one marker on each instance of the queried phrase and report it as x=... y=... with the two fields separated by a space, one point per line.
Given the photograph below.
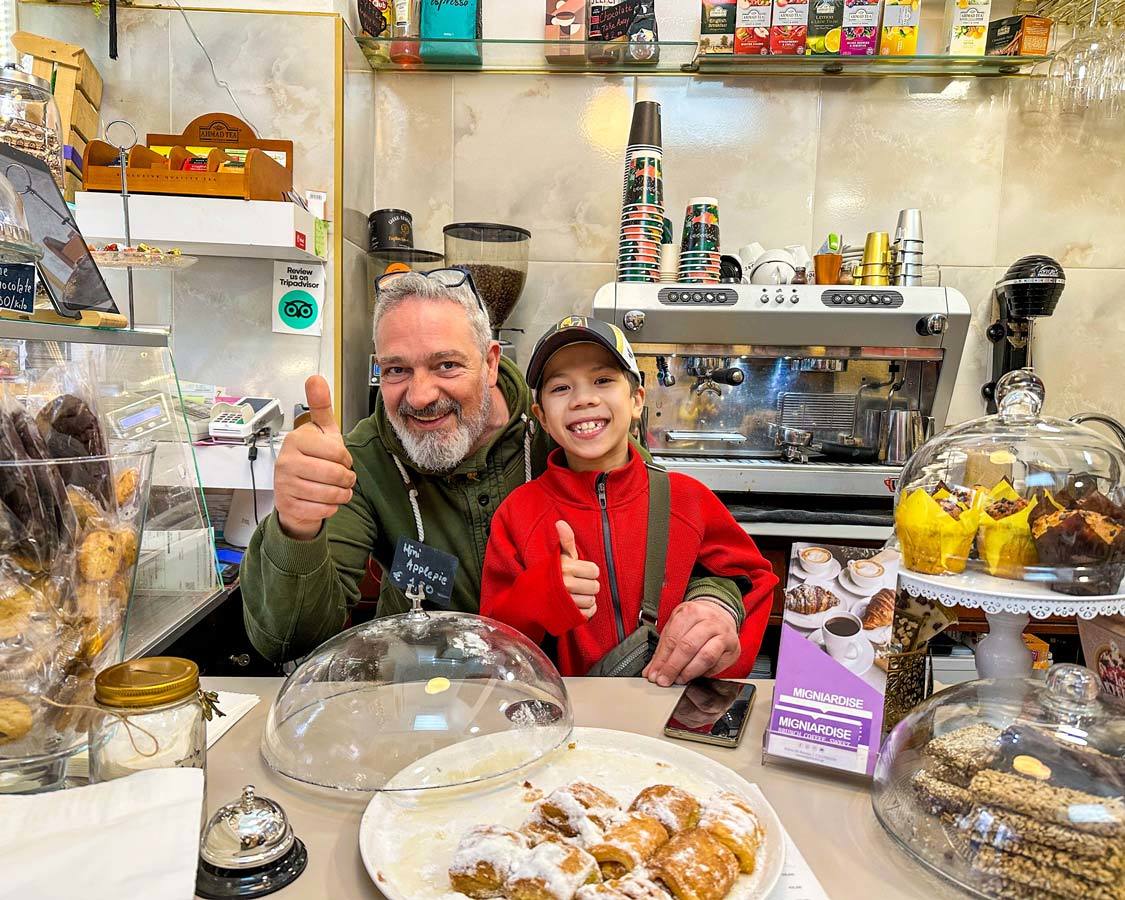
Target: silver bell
x=248 y=849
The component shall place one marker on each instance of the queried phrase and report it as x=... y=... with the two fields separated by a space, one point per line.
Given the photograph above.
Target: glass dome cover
x=1013 y=787
x=1017 y=496
x=417 y=701
x=16 y=242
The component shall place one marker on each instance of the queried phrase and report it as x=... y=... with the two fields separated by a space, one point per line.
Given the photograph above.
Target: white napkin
x=797 y=880
x=132 y=837
x=234 y=705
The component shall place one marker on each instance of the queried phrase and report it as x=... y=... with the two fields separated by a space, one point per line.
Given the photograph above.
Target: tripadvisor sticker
x=298 y=297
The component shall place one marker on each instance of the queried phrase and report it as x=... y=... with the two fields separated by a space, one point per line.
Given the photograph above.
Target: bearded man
x=450 y=438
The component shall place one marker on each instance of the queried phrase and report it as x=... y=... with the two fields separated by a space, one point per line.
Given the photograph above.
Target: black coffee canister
x=390 y=229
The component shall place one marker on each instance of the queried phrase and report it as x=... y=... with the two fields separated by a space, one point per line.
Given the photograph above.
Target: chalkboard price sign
x=417 y=567
x=17 y=287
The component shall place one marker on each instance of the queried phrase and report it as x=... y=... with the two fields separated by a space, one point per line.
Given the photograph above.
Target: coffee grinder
x=1029 y=290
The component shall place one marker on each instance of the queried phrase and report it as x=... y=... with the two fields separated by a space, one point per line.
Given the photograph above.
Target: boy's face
x=587 y=404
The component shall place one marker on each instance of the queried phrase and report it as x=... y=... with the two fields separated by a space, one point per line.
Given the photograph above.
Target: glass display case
x=1018 y=514
x=1012 y=788
x=138 y=401
x=417 y=701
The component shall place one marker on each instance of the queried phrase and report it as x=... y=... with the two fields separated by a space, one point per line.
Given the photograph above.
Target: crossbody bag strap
x=656 y=546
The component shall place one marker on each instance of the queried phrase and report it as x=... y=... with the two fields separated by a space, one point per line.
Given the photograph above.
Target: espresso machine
x=791 y=389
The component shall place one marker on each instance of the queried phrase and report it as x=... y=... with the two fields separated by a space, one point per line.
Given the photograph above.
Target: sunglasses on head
x=450 y=278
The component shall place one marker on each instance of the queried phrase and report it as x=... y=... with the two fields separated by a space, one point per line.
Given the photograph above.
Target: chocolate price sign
x=17 y=287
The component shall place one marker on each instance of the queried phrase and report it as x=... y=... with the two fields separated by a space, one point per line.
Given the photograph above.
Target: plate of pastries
x=608 y=815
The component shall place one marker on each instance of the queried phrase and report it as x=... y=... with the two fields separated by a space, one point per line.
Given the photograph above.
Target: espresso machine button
x=849 y=299
x=765 y=298
x=634 y=320
x=836 y=299
x=793 y=298
x=780 y=298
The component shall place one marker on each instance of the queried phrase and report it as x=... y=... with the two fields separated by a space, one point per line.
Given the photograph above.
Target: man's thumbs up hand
x=313 y=477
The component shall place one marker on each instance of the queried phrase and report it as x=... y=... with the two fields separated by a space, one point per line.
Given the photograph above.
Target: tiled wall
x=281 y=68
x=789 y=159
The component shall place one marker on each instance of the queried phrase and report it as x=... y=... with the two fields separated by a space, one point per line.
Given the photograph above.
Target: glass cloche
x=16 y=243
x=415 y=701
x=1017 y=496
x=1012 y=788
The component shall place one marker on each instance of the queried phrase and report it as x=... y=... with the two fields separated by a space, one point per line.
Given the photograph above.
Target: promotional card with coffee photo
x=831 y=671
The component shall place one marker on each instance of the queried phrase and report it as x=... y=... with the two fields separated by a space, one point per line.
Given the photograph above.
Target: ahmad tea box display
x=861 y=27
x=789 y=28
x=1019 y=36
x=966 y=26
x=899 y=35
x=566 y=30
x=716 y=27
x=825 y=20
x=752 y=27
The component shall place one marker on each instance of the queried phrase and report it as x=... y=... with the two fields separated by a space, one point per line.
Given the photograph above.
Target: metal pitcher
x=901 y=432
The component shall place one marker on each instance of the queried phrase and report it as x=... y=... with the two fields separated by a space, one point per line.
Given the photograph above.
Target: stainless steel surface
x=853 y=860
x=818 y=412
x=814 y=364
x=816 y=531
x=741 y=475
x=1108 y=421
x=902 y=433
x=16 y=329
x=157 y=618
x=728 y=437
x=249 y=833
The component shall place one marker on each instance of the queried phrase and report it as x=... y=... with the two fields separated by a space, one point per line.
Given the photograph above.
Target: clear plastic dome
x=1013 y=787
x=1016 y=496
x=378 y=698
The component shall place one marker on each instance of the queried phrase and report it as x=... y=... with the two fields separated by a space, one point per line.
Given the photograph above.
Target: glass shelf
x=982 y=66
x=586 y=57
x=668 y=58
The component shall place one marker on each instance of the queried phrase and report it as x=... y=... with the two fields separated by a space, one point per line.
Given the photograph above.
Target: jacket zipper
x=607 y=545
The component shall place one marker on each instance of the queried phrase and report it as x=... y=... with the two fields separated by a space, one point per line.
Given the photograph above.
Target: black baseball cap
x=580 y=330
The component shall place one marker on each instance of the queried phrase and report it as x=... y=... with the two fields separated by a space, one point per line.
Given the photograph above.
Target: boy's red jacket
x=522 y=582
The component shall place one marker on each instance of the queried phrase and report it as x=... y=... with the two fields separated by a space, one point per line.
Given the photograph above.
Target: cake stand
x=1008 y=605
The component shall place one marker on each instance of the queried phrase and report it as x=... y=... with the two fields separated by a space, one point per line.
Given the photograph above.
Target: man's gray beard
x=441 y=451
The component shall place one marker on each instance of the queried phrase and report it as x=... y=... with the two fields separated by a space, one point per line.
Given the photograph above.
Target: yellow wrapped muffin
x=936 y=530
x=1004 y=541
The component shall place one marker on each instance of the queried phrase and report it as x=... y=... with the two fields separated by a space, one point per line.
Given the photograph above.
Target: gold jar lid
x=152 y=681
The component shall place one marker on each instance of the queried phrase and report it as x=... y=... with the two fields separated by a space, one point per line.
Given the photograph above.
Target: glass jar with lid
x=153 y=717
x=1012 y=787
x=1016 y=497
x=29 y=118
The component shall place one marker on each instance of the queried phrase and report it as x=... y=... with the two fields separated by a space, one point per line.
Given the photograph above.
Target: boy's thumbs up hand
x=580 y=576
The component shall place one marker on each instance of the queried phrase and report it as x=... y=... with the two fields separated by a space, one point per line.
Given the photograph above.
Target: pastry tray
x=977 y=590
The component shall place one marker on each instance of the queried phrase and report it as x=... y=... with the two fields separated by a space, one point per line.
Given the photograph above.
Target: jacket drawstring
x=412 y=491
x=528 y=431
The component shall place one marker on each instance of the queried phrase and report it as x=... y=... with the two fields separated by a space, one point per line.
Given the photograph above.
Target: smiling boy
x=568 y=553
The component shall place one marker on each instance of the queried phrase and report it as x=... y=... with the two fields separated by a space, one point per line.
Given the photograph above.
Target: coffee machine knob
x=935 y=324
x=634 y=320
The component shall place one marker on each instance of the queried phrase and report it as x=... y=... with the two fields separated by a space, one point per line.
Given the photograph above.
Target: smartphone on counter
x=712 y=711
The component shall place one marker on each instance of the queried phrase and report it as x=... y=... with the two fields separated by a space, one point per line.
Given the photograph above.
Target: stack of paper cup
x=699 y=246
x=907 y=268
x=642 y=199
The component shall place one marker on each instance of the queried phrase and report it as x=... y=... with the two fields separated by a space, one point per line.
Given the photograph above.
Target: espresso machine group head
x=1029 y=290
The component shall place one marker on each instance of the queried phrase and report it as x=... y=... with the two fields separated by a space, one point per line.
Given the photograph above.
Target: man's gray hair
x=412 y=285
